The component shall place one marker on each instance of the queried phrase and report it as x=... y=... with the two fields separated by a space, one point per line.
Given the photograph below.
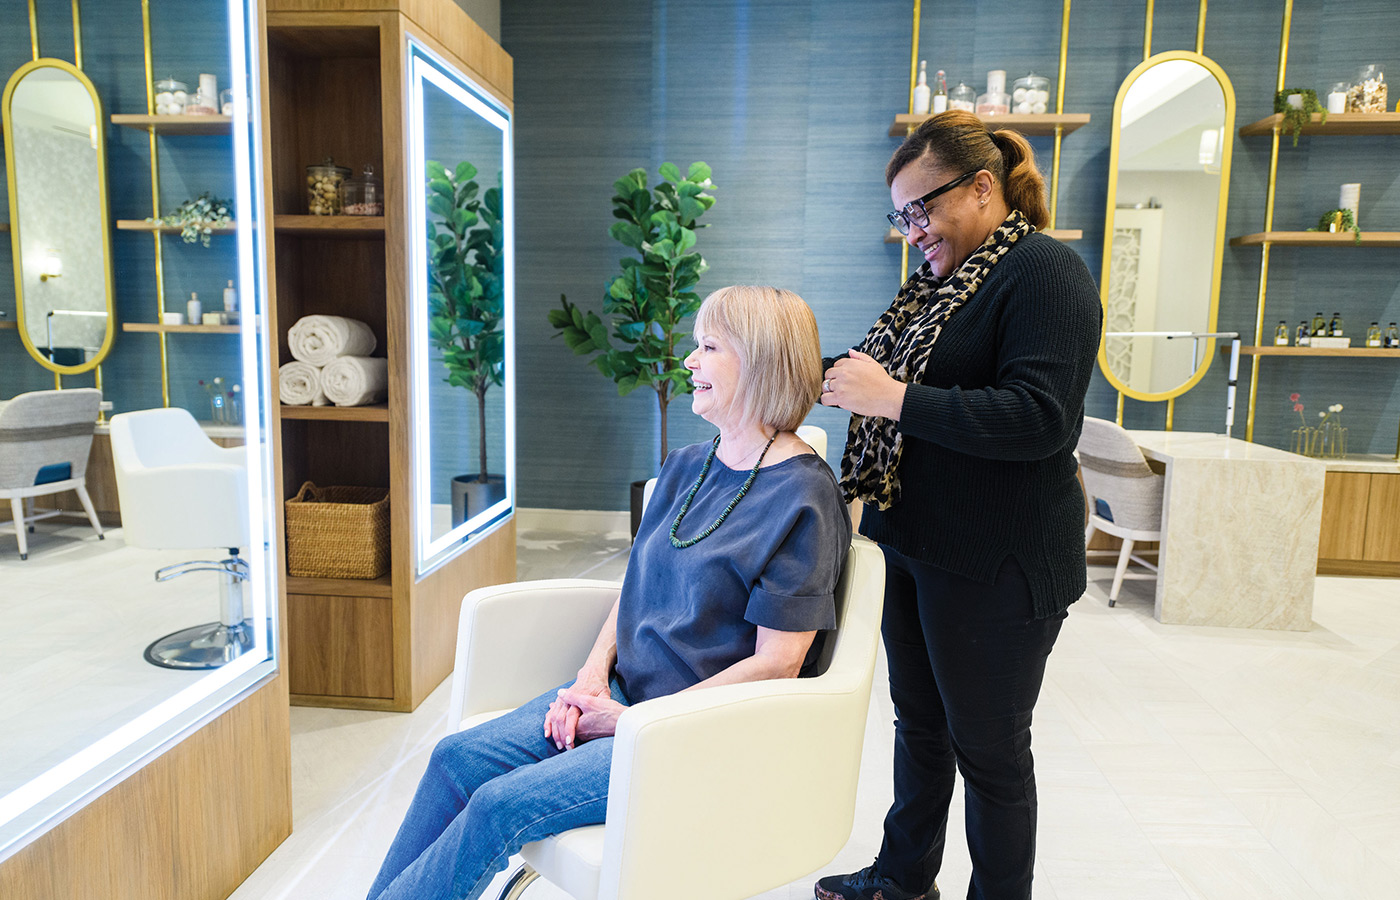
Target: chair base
x=522 y=878
x=201 y=647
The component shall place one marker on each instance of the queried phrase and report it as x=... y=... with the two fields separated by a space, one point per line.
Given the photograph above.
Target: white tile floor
x=1173 y=762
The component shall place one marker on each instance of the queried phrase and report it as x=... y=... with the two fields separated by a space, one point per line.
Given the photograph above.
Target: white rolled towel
x=356 y=380
x=299 y=383
x=320 y=339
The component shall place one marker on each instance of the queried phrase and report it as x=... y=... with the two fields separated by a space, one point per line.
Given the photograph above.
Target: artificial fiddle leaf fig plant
x=466 y=268
x=647 y=303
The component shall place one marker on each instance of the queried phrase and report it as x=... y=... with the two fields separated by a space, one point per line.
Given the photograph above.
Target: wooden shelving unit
x=9 y=325
x=1060 y=234
x=1317 y=239
x=150 y=228
x=1337 y=123
x=336 y=81
x=202 y=125
x=1352 y=352
x=373 y=412
x=1042 y=125
x=158 y=328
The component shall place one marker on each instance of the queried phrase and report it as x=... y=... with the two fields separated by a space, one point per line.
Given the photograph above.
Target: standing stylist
x=968 y=398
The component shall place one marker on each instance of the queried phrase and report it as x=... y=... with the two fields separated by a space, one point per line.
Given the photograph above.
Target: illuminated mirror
x=56 y=154
x=1164 y=232
x=462 y=308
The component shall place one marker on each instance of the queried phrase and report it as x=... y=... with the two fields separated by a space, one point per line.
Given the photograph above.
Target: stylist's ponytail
x=1023 y=185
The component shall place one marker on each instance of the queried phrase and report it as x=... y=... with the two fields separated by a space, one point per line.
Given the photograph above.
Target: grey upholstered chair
x=1125 y=495
x=45 y=439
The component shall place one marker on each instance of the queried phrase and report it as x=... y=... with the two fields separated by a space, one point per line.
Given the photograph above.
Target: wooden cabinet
x=1360 y=524
x=336 y=87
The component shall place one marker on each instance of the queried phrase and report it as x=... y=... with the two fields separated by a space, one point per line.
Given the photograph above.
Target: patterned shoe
x=867 y=884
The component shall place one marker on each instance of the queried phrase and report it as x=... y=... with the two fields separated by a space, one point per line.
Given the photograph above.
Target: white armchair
x=179 y=490
x=45 y=440
x=744 y=787
x=1124 y=494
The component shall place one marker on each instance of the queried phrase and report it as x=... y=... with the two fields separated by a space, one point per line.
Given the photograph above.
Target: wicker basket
x=338 y=532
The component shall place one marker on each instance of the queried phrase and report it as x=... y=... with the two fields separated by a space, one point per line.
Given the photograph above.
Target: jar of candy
x=323 y=187
x=962 y=97
x=363 y=196
x=1030 y=95
x=171 y=97
x=1368 y=94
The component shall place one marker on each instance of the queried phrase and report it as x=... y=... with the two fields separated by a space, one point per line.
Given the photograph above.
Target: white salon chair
x=813 y=435
x=1125 y=495
x=717 y=794
x=45 y=440
x=180 y=491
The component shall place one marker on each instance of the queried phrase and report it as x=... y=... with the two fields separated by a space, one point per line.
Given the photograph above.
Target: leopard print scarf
x=902 y=341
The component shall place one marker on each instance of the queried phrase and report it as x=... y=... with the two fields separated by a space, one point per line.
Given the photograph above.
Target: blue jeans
x=489 y=791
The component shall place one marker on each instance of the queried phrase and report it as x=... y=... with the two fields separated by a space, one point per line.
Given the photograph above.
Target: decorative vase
x=471 y=495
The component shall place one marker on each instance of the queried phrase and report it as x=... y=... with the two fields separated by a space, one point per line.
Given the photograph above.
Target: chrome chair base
x=522 y=878
x=201 y=647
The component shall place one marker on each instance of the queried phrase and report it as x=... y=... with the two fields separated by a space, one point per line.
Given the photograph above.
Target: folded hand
x=597 y=714
x=561 y=721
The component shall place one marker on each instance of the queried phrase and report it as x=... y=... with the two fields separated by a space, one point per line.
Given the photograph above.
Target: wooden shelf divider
x=1337 y=123
x=160 y=328
x=1353 y=352
x=143 y=225
x=374 y=412
x=341 y=587
x=1317 y=239
x=329 y=226
x=176 y=124
x=1042 y=125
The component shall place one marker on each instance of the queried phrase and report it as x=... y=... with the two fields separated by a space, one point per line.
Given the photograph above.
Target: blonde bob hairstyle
x=774 y=334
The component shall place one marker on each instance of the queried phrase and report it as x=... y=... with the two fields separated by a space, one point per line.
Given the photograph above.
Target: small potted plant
x=1338 y=220
x=1297 y=106
x=198 y=218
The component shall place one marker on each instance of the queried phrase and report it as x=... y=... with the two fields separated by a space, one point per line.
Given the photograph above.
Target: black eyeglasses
x=914 y=212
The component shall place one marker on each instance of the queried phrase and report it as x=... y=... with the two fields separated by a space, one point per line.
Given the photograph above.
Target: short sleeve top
x=687 y=614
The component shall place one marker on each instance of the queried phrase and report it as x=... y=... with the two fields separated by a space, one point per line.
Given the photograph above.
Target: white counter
x=214 y=431
x=1240 y=526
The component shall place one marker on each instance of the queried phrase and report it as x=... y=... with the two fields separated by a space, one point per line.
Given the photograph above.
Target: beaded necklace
x=705 y=470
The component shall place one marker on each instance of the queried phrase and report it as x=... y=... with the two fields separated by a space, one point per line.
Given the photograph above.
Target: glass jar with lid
x=1030 y=94
x=996 y=102
x=1368 y=93
x=962 y=97
x=171 y=96
x=363 y=196
x=323 y=187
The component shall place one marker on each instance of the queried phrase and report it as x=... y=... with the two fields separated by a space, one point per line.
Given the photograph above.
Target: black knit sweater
x=989 y=433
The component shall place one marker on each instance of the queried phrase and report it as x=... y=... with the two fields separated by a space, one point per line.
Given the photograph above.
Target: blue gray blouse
x=687 y=614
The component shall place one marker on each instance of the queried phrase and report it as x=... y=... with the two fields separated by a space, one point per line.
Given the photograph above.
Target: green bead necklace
x=705 y=470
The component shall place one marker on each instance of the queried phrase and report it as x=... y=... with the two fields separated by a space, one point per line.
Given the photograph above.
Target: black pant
x=966 y=663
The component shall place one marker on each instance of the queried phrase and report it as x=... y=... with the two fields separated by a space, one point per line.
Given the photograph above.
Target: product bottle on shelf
x=194 y=312
x=940 y=94
x=1304 y=335
x=1373 y=335
x=996 y=102
x=1281 y=334
x=1392 y=337
x=1318 y=326
x=231 y=303
x=1335 y=327
x=921 y=90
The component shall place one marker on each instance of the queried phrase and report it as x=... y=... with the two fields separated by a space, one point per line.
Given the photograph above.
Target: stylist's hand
x=597 y=715
x=860 y=385
x=561 y=721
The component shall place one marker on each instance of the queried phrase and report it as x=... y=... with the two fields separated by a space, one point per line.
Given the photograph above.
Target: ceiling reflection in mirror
x=462 y=308
x=59 y=229
x=1164 y=228
x=85 y=705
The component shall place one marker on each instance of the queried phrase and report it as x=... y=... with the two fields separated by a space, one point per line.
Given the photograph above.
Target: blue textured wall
x=188 y=38
x=790 y=103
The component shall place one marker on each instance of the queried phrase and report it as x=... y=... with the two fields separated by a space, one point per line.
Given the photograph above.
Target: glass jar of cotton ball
x=1030 y=95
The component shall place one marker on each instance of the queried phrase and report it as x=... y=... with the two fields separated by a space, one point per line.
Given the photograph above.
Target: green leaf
x=436 y=170
x=440 y=205
x=465 y=171
x=698 y=172
x=627 y=234
x=691 y=209
x=670 y=172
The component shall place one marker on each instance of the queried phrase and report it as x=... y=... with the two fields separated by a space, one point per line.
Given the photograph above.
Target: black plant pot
x=639 y=489
x=470 y=496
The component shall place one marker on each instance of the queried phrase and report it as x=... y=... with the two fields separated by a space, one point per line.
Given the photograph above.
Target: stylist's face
x=956 y=219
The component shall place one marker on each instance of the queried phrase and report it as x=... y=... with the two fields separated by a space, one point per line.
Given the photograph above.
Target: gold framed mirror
x=60 y=230
x=1164 y=228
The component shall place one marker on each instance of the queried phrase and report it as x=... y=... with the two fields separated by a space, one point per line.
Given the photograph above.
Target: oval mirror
x=1164 y=231
x=56 y=160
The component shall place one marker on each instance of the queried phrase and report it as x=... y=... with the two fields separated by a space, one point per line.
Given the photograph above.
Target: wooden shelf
x=177 y=124
x=1337 y=123
x=340 y=587
x=158 y=328
x=143 y=225
x=330 y=226
x=9 y=325
x=1318 y=239
x=1355 y=352
x=4 y=227
x=1042 y=125
x=1060 y=234
x=374 y=412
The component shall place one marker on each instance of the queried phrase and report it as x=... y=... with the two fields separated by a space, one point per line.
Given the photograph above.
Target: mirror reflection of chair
x=180 y=491
x=45 y=439
x=697 y=777
x=1125 y=495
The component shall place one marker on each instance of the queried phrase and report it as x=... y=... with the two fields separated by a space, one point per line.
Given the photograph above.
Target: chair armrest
x=186 y=506
x=759 y=775
x=516 y=641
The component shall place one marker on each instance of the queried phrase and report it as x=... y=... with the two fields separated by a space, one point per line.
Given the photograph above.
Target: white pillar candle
x=1351 y=199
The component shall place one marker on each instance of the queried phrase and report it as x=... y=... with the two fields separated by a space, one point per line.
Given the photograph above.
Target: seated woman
x=731 y=577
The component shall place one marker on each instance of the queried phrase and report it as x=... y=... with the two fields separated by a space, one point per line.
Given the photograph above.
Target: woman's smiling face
x=955 y=220
x=714 y=370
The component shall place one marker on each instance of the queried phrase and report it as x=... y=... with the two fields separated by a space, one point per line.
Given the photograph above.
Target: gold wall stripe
x=913 y=79
x=77 y=35
x=1201 y=30
x=1059 y=110
x=1171 y=411
x=33 y=30
x=1147 y=33
x=155 y=202
x=1120 y=409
